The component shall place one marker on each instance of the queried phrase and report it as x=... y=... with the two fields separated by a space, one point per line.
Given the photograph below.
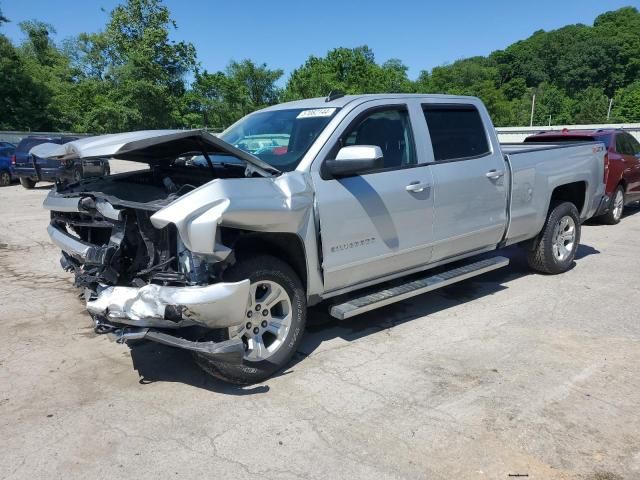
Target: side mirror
x=354 y=160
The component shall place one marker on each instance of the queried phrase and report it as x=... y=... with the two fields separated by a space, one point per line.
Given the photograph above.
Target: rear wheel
x=273 y=324
x=77 y=174
x=27 y=183
x=5 y=179
x=558 y=241
x=616 y=207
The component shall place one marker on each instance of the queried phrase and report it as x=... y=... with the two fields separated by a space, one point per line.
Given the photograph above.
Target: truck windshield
x=279 y=137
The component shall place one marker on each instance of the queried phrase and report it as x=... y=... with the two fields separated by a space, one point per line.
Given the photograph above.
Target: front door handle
x=494 y=174
x=416 y=187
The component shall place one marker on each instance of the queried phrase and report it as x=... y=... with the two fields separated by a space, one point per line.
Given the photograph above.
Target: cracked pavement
x=511 y=373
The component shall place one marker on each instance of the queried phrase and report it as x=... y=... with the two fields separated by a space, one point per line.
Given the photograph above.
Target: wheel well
x=571 y=192
x=623 y=183
x=288 y=247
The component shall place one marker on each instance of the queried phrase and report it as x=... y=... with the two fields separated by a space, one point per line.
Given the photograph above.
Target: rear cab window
x=27 y=144
x=457 y=131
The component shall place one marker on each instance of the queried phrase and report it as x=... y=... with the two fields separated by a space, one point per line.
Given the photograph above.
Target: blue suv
x=31 y=169
x=6 y=169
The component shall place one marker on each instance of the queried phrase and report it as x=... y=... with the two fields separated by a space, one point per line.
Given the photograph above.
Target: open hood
x=149 y=146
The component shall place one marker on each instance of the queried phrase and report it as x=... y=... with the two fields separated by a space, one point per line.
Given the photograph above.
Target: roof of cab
x=339 y=102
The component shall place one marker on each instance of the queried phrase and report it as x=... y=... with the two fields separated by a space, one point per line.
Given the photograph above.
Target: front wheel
x=27 y=183
x=558 y=240
x=273 y=324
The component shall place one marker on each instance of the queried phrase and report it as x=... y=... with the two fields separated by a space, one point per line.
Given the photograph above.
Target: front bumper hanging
x=230 y=351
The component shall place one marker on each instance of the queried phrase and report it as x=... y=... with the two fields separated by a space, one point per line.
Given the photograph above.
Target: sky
x=283 y=33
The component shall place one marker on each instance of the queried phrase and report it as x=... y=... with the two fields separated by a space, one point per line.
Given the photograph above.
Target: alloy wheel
x=564 y=237
x=267 y=320
x=618 y=204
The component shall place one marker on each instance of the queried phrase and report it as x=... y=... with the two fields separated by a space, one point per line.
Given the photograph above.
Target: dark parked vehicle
x=6 y=169
x=7 y=145
x=621 y=167
x=31 y=169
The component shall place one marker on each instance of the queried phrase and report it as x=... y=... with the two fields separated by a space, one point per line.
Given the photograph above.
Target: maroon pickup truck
x=621 y=168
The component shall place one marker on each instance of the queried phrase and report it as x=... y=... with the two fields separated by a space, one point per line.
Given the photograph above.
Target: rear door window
x=456 y=131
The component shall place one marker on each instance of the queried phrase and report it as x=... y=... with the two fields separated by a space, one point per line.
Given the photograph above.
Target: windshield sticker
x=316 y=112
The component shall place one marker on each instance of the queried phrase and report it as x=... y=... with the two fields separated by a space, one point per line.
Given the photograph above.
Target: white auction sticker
x=316 y=112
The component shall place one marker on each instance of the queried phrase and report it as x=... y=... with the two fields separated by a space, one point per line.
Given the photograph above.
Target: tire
x=77 y=174
x=259 y=363
x=548 y=256
x=616 y=208
x=5 y=179
x=27 y=183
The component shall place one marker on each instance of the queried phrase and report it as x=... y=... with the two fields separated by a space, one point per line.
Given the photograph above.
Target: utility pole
x=533 y=107
x=609 y=110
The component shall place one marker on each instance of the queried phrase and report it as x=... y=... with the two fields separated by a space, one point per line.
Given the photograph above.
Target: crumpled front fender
x=281 y=205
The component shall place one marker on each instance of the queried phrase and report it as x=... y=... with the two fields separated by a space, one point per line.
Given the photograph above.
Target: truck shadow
x=159 y=363
x=321 y=327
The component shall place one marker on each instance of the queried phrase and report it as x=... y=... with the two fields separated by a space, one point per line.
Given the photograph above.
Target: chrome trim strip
x=68 y=244
x=61 y=204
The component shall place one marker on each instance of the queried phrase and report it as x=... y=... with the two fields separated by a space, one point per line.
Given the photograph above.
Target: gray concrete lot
x=509 y=374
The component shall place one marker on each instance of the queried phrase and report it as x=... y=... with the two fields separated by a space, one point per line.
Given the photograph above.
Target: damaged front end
x=140 y=281
x=147 y=247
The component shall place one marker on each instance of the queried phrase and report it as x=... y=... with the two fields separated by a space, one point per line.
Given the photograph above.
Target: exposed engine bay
x=114 y=215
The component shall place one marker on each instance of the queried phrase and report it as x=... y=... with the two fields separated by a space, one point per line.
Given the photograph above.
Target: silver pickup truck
x=351 y=202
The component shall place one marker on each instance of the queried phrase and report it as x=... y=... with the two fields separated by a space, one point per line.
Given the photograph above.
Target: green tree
x=626 y=104
x=142 y=68
x=350 y=70
x=23 y=100
x=216 y=100
x=590 y=106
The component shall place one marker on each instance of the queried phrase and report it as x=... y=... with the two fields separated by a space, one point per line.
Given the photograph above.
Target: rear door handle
x=494 y=174
x=416 y=187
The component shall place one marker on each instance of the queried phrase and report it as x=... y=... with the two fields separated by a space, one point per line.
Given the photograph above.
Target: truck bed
x=537 y=169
